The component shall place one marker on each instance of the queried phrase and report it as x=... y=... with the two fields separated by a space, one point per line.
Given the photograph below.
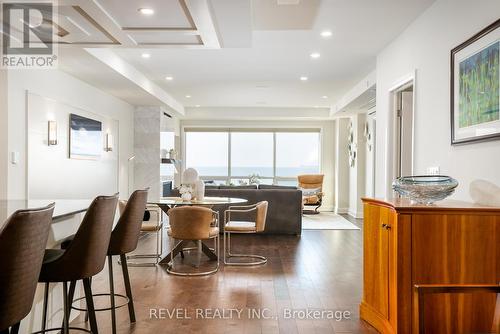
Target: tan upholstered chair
x=235 y=226
x=312 y=189
x=153 y=224
x=193 y=223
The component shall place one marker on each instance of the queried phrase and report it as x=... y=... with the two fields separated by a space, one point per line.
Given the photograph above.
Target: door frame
x=391 y=143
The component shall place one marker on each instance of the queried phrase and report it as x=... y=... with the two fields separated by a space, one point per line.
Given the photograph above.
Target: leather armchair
x=311 y=182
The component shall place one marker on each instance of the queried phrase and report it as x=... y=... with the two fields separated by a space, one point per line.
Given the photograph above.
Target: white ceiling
x=264 y=48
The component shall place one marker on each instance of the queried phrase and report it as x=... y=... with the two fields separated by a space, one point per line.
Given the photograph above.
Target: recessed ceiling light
x=146 y=11
x=188 y=96
x=303 y=78
x=146 y=55
x=326 y=33
x=197 y=106
x=315 y=55
x=169 y=78
x=324 y=97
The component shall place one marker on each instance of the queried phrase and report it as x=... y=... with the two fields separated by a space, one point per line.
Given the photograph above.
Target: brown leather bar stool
x=124 y=239
x=193 y=223
x=84 y=258
x=235 y=226
x=23 y=239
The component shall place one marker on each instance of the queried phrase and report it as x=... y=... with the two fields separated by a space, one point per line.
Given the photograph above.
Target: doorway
x=403 y=111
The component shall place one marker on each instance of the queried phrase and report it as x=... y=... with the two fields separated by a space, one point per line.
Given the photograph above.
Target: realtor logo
x=27 y=35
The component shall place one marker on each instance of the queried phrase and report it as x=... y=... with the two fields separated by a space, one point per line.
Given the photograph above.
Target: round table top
x=206 y=201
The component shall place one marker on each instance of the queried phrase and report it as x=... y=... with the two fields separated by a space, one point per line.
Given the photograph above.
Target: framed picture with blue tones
x=85 y=138
x=475 y=88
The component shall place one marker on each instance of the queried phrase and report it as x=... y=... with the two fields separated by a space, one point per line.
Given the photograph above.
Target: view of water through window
x=277 y=157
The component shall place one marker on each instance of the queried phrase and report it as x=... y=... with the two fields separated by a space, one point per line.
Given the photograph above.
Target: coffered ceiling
x=228 y=53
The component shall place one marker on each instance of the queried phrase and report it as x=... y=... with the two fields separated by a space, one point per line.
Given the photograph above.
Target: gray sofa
x=284 y=215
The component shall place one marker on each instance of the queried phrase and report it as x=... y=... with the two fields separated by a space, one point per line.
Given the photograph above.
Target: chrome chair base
x=262 y=259
x=171 y=270
x=157 y=256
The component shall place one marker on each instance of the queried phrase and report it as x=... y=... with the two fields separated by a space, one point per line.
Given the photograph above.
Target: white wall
x=357 y=172
x=48 y=165
x=425 y=47
x=342 y=180
x=63 y=88
x=327 y=145
x=3 y=134
x=370 y=158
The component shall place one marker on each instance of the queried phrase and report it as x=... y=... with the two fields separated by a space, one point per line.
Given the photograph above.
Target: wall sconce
x=109 y=143
x=52 y=133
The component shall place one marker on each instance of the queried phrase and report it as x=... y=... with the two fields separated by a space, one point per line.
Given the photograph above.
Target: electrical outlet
x=433 y=170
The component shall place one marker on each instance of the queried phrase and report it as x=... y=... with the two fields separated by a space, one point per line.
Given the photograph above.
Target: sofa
x=284 y=215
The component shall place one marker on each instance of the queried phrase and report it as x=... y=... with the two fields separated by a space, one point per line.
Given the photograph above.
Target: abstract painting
x=475 y=87
x=479 y=87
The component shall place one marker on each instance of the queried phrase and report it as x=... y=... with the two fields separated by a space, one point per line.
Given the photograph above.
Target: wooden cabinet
x=449 y=243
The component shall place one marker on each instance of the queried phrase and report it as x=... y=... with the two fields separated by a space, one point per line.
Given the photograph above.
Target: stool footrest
x=61 y=329
x=127 y=300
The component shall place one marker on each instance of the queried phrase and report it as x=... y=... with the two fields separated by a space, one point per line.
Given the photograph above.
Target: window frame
x=275 y=178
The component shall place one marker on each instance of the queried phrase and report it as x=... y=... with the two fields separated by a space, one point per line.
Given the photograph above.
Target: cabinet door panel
x=457 y=249
x=376 y=259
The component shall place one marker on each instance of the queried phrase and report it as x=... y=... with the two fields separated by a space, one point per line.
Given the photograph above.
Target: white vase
x=199 y=190
x=189 y=176
x=186 y=196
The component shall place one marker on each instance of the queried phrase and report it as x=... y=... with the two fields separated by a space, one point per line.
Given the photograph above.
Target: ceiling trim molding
x=128 y=71
x=85 y=15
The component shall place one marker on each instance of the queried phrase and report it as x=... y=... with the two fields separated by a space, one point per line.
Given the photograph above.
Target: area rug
x=326 y=221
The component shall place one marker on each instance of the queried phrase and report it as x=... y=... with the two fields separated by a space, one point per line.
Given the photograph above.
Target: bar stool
x=193 y=223
x=84 y=258
x=124 y=239
x=234 y=226
x=23 y=239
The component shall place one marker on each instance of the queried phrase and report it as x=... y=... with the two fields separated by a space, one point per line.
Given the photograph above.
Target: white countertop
x=63 y=208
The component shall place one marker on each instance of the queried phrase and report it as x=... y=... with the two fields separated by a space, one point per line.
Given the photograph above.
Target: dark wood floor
x=320 y=270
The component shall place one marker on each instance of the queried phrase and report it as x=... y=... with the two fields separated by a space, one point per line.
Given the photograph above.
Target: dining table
x=167 y=203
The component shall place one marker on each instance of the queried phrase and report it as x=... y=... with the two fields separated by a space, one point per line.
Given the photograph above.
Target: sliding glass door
x=233 y=156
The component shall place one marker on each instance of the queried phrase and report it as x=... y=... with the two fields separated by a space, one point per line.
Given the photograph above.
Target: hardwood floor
x=321 y=270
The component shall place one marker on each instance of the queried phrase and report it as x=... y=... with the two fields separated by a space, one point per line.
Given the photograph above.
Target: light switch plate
x=14 y=158
x=433 y=170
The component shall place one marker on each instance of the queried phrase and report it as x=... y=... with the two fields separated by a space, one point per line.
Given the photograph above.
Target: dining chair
x=244 y=227
x=193 y=223
x=152 y=224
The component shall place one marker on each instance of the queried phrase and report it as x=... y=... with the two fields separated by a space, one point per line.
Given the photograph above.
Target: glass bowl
x=425 y=189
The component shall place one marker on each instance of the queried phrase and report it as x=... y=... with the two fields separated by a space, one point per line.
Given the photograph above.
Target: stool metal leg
x=128 y=289
x=15 y=328
x=65 y=309
x=112 y=294
x=45 y=302
x=90 y=305
x=71 y=296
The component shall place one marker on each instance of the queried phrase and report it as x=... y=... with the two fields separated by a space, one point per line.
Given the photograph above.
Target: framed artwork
x=475 y=89
x=85 y=138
